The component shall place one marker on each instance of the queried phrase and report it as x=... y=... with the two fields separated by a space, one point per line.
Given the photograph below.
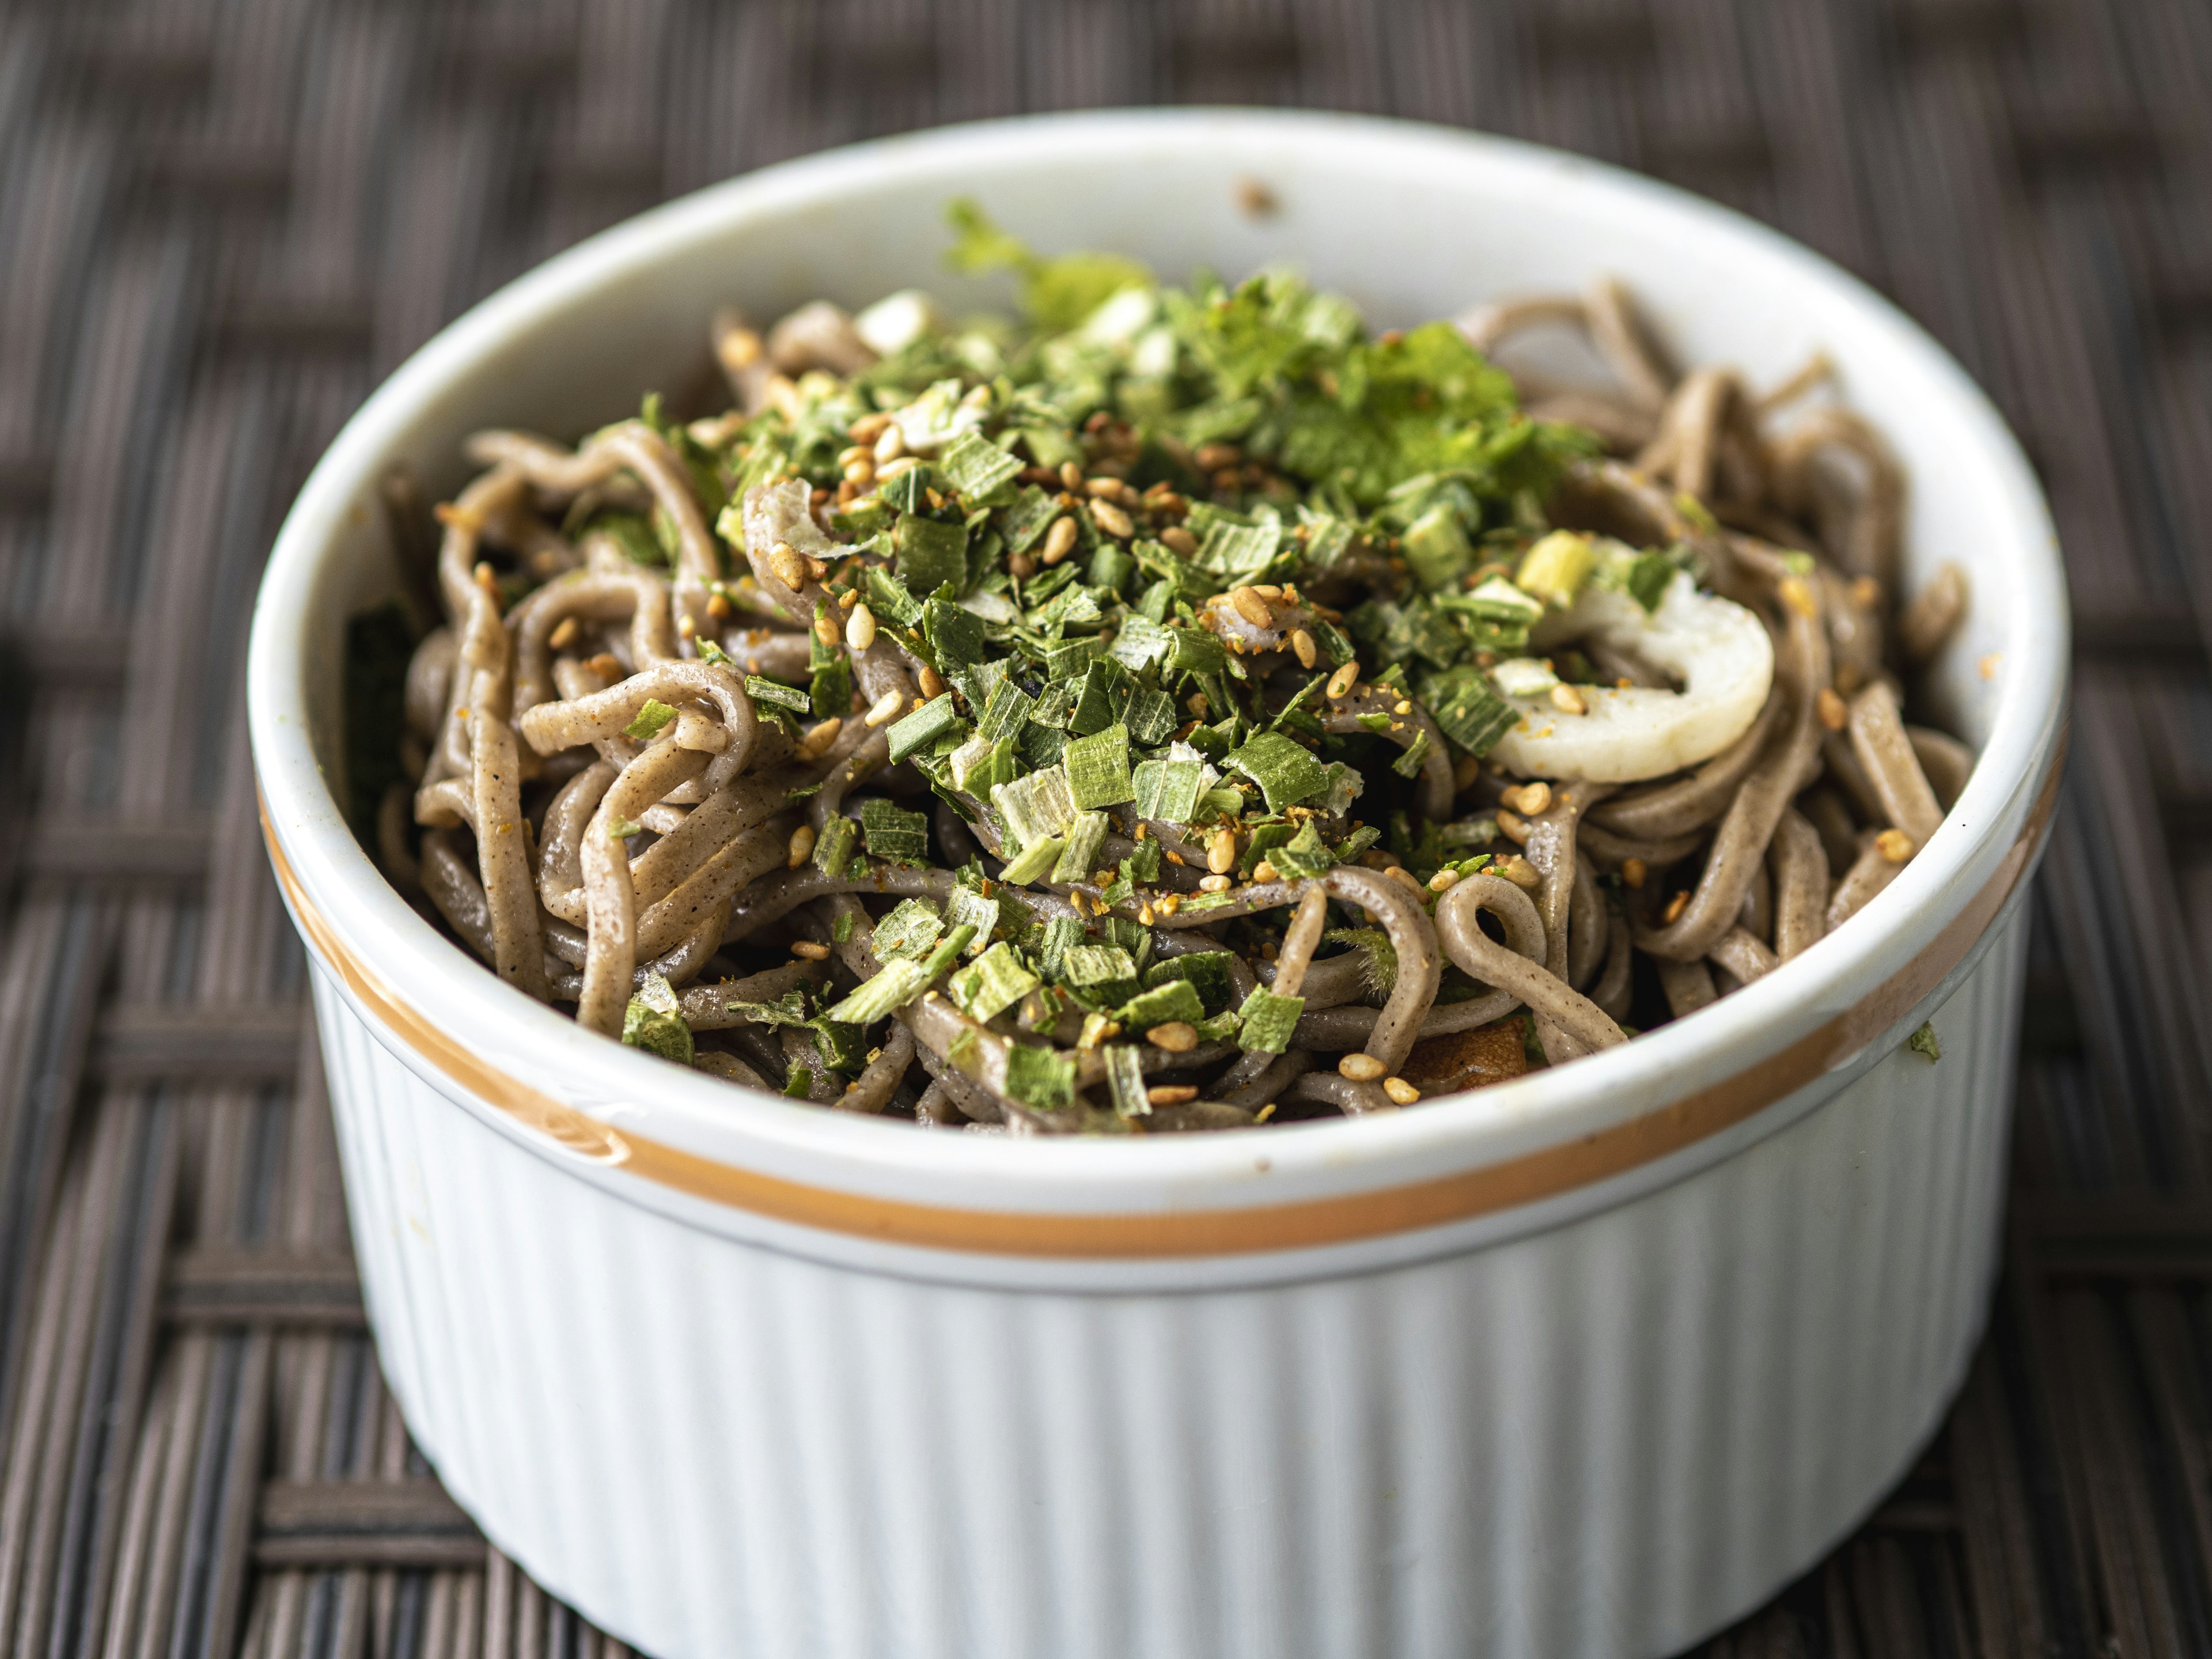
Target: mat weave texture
x=221 y=222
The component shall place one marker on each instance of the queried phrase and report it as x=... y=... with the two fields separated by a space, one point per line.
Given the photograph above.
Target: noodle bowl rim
x=354 y=917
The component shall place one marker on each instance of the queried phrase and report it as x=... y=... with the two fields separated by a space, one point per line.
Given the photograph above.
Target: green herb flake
x=892 y=832
x=1170 y=1000
x=909 y=929
x=777 y=695
x=651 y=720
x=1125 y=1080
x=1206 y=971
x=891 y=599
x=1098 y=769
x=964 y=906
x=976 y=467
x=1303 y=857
x=654 y=1021
x=1285 y=772
x=1268 y=1022
x=993 y=983
x=1167 y=789
x=833 y=848
x=623 y=828
x=1923 y=1042
x=1036 y=806
x=931 y=555
x=1086 y=833
x=1462 y=704
x=1040 y=1079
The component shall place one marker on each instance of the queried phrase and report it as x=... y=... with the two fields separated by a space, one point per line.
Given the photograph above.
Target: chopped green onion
x=1125 y=1080
x=1039 y=1078
x=1285 y=772
x=1098 y=769
x=1170 y=1000
x=1087 y=831
x=992 y=984
x=892 y=832
x=923 y=727
x=651 y=720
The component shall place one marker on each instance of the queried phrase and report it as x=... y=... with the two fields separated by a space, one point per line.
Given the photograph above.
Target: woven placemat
x=221 y=220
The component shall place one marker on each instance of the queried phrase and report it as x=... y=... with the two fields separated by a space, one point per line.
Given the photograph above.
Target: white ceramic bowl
x=1588 y=1363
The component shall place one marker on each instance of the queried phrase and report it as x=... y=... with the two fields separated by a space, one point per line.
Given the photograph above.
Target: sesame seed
x=1632 y=872
x=885 y=710
x=1359 y=1067
x=1401 y=1091
x=801 y=846
x=1895 y=846
x=809 y=949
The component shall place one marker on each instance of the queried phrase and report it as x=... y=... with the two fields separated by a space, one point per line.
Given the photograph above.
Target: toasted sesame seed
x=1529 y=798
x=1059 y=540
x=1443 y=881
x=869 y=427
x=810 y=951
x=1342 y=682
x=1405 y=877
x=786 y=564
x=1179 y=541
x=1303 y=643
x=1632 y=872
x=1835 y=713
x=1401 y=1091
x=1568 y=700
x=1521 y=873
x=801 y=846
x=1177 y=1037
x=1359 y=1067
x=564 y=635
x=1171 y=1094
x=718 y=607
x=1221 y=851
x=1264 y=871
x=1895 y=846
x=1250 y=606
x=1676 y=906
x=825 y=629
x=887 y=709
x=824 y=734
x=860 y=627
x=1112 y=520
x=889 y=445
x=933 y=683
x=862 y=471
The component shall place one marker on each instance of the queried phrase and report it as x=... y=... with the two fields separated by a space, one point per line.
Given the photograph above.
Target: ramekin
x=1588 y=1363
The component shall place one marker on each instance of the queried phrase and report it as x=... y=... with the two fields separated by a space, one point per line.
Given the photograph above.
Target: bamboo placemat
x=221 y=220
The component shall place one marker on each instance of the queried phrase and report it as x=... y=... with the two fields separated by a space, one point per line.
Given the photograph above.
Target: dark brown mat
x=220 y=221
